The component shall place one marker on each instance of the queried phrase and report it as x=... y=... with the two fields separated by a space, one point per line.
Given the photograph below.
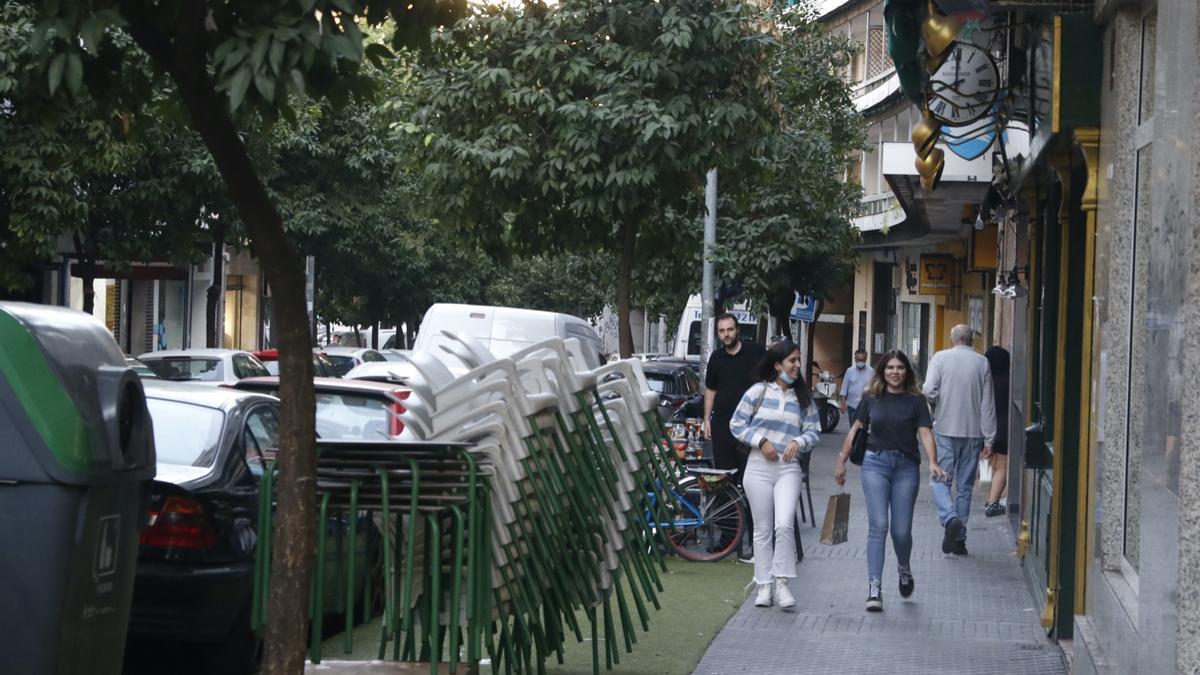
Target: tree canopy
x=787 y=224
x=577 y=127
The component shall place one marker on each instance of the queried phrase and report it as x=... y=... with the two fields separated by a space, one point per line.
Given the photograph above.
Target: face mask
x=787 y=379
x=860 y=364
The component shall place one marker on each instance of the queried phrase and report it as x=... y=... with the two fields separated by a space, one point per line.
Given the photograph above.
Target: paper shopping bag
x=837 y=520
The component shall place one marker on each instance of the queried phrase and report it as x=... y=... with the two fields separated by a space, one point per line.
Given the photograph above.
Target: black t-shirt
x=894 y=420
x=731 y=375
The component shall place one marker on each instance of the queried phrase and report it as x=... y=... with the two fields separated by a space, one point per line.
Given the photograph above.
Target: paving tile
x=969 y=615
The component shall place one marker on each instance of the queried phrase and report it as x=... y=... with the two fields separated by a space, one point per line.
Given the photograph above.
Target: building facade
x=1084 y=188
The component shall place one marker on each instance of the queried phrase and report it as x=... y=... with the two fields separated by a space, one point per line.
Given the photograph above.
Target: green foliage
x=549 y=124
x=124 y=187
x=579 y=127
x=789 y=221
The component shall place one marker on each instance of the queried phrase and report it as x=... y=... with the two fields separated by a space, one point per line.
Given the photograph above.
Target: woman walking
x=896 y=416
x=998 y=360
x=778 y=420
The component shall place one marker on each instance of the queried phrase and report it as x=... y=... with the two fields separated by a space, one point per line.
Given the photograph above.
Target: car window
x=247 y=366
x=372 y=356
x=260 y=437
x=660 y=383
x=187 y=369
x=340 y=364
x=346 y=416
x=391 y=342
x=185 y=433
x=691 y=382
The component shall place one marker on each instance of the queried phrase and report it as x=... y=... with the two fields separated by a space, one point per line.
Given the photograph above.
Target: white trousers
x=772 y=488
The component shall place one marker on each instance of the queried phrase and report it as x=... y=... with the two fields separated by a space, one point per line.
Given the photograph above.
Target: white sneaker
x=763 y=599
x=786 y=601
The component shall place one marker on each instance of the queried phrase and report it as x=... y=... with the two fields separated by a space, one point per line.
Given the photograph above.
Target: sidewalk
x=969 y=614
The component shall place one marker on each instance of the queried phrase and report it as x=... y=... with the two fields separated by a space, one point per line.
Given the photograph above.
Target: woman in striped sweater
x=778 y=420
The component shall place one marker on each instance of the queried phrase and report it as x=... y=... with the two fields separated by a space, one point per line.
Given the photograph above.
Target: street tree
x=577 y=126
x=787 y=224
x=225 y=62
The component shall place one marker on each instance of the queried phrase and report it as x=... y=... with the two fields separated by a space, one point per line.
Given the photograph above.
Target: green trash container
x=76 y=462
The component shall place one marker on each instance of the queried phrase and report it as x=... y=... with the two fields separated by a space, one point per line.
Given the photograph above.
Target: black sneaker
x=960 y=548
x=954 y=533
x=994 y=509
x=906 y=583
x=874 y=597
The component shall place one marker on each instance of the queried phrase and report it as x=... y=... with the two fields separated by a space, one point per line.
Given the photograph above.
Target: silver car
x=206 y=366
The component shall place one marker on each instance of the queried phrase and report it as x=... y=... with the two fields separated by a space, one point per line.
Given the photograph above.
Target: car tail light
x=397 y=425
x=179 y=523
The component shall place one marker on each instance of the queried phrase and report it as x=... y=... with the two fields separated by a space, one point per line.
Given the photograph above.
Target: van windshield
x=749 y=331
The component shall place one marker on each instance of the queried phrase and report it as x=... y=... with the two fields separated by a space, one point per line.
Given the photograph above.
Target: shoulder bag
x=858 y=444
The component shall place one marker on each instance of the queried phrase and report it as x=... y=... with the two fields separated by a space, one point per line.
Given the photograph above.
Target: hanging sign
x=937 y=274
x=804 y=308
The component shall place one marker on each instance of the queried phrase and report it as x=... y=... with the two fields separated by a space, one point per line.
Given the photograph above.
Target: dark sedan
x=195 y=570
x=678 y=387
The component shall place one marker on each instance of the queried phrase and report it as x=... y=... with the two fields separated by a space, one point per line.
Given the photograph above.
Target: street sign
x=804 y=308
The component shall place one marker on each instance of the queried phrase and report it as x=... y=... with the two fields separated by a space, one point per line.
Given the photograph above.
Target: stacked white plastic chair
x=579 y=461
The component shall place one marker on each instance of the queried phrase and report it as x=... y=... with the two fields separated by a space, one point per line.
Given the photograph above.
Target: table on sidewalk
x=970 y=614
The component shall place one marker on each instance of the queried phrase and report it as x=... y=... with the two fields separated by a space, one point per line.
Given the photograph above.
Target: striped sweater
x=778 y=419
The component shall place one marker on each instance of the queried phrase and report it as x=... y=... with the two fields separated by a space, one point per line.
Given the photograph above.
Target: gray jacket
x=959 y=388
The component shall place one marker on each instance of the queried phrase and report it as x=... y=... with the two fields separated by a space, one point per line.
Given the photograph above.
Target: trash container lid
x=51 y=366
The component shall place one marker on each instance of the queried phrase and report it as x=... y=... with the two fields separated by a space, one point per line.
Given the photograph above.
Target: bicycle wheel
x=708 y=525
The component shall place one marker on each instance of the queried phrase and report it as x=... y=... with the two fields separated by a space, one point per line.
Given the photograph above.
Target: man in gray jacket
x=959 y=388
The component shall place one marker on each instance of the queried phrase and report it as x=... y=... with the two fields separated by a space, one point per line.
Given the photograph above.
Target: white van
x=687 y=338
x=503 y=330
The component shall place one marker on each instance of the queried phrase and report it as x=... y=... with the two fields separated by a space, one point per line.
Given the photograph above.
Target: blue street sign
x=804 y=308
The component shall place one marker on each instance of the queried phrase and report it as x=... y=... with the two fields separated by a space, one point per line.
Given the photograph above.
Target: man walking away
x=731 y=370
x=855 y=380
x=959 y=389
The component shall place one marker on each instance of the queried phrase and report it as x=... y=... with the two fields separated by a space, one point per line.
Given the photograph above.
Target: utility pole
x=707 y=329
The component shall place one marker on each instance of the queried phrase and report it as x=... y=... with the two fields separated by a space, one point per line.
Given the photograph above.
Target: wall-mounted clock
x=965 y=87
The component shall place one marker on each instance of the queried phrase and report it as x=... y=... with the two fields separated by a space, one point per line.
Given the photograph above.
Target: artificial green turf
x=697 y=600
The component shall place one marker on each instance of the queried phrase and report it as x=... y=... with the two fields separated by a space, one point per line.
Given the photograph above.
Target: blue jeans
x=959 y=458
x=890 y=482
x=852 y=411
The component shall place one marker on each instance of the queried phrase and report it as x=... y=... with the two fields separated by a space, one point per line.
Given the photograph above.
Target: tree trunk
x=628 y=233
x=212 y=337
x=375 y=336
x=185 y=58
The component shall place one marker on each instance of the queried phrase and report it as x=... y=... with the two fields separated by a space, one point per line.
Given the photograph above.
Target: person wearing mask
x=730 y=372
x=897 y=419
x=778 y=420
x=855 y=380
x=959 y=388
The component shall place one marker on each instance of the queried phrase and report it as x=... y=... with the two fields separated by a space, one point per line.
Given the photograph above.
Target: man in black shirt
x=731 y=371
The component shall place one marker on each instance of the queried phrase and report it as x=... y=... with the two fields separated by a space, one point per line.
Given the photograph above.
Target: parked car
x=678 y=388
x=140 y=368
x=694 y=364
x=195 y=568
x=362 y=338
x=208 y=366
x=388 y=371
x=345 y=358
x=322 y=366
x=503 y=330
x=347 y=409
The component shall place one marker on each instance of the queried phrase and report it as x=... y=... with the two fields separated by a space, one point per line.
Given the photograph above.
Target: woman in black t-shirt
x=896 y=416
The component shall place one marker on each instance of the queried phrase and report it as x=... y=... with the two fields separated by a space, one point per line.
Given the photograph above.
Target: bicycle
x=708 y=516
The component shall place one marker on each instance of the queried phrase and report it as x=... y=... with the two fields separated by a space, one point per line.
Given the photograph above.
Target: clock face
x=965 y=87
